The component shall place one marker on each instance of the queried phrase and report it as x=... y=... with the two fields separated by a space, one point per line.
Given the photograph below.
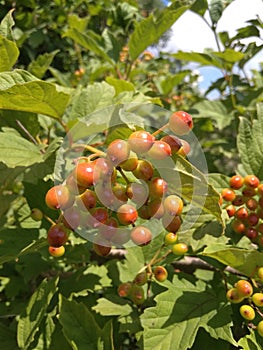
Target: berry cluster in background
x=114 y=190
x=243 y=201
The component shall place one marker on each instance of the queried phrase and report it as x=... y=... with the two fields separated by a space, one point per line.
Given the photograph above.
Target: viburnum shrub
x=131 y=202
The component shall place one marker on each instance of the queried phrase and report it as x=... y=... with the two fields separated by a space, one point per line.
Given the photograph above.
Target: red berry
x=231 y=210
x=236 y=182
x=57 y=235
x=118 y=151
x=84 y=174
x=260 y=202
x=119 y=192
x=137 y=192
x=87 y=200
x=144 y=170
x=109 y=228
x=101 y=250
x=249 y=192
x=141 y=235
x=251 y=181
x=157 y=187
x=56 y=251
x=241 y=213
x=156 y=208
x=228 y=194
x=173 y=141
x=140 y=141
x=127 y=214
x=95 y=217
x=260 y=228
x=251 y=204
x=239 y=200
x=59 y=197
x=252 y=219
x=173 y=205
x=260 y=189
x=251 y=233
x=238 y=226
x=171 y=223
x=159 y=150
x=103 y=171
x=180 y=123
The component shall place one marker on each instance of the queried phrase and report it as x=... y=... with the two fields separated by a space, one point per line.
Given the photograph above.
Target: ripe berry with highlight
x=257 y=299
x=233 y=296
x=144 y=170
x=251 y=181
x=180 y=123
x=244 y=288
x=127 y=214
x=118 y=151
x=228 y=194
x=57 y=235
x=159 y=150
x=59 y=197
x=236 y=182
x=141 y=235
x=140 y=141
x=173 y=205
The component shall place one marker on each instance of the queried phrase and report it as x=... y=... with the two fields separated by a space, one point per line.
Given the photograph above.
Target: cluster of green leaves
x=72 y=302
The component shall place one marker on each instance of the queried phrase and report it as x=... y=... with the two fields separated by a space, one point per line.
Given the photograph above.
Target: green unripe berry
x=179 y=248
x=260 y=328
x=137 y=294
x=141 y=278
x=36 y=214
x=257 y=299
x=247 y=312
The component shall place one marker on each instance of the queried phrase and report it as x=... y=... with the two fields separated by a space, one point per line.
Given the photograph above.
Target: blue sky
x=190 y=33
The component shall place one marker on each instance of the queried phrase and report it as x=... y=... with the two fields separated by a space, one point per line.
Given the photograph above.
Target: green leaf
x=30 y=320
x=215 y=10
x=210 y=343
x=250 y=143
x=134 y=261
x=7 y=24
x=36 y=97
x=15 y=243
x=199 y=7
x=7 y=338
x=214 y=110
x=78 y=23
x=17 y=151
x=251 y=342
x=187 y=181
x=245 y=261
x=181 y=311
x=91 y=41
x=20 y=121
x=120 y=85
x=40 y=65
x=229 y=56
x=204 y=59
x=167 y=84
x=8 y=53
x=17 y=76
x=106 y=307
x=79 y=325
x=92 y=98
x=149 y=30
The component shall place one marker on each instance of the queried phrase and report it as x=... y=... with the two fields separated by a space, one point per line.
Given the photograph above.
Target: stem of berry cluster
x=160 y=130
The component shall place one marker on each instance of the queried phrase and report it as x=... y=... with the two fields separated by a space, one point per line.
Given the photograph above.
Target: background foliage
x=63 y=60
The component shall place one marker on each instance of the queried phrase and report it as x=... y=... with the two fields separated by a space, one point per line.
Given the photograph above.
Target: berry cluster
x=252 y=302
x=244 y=199
x=112 y=193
